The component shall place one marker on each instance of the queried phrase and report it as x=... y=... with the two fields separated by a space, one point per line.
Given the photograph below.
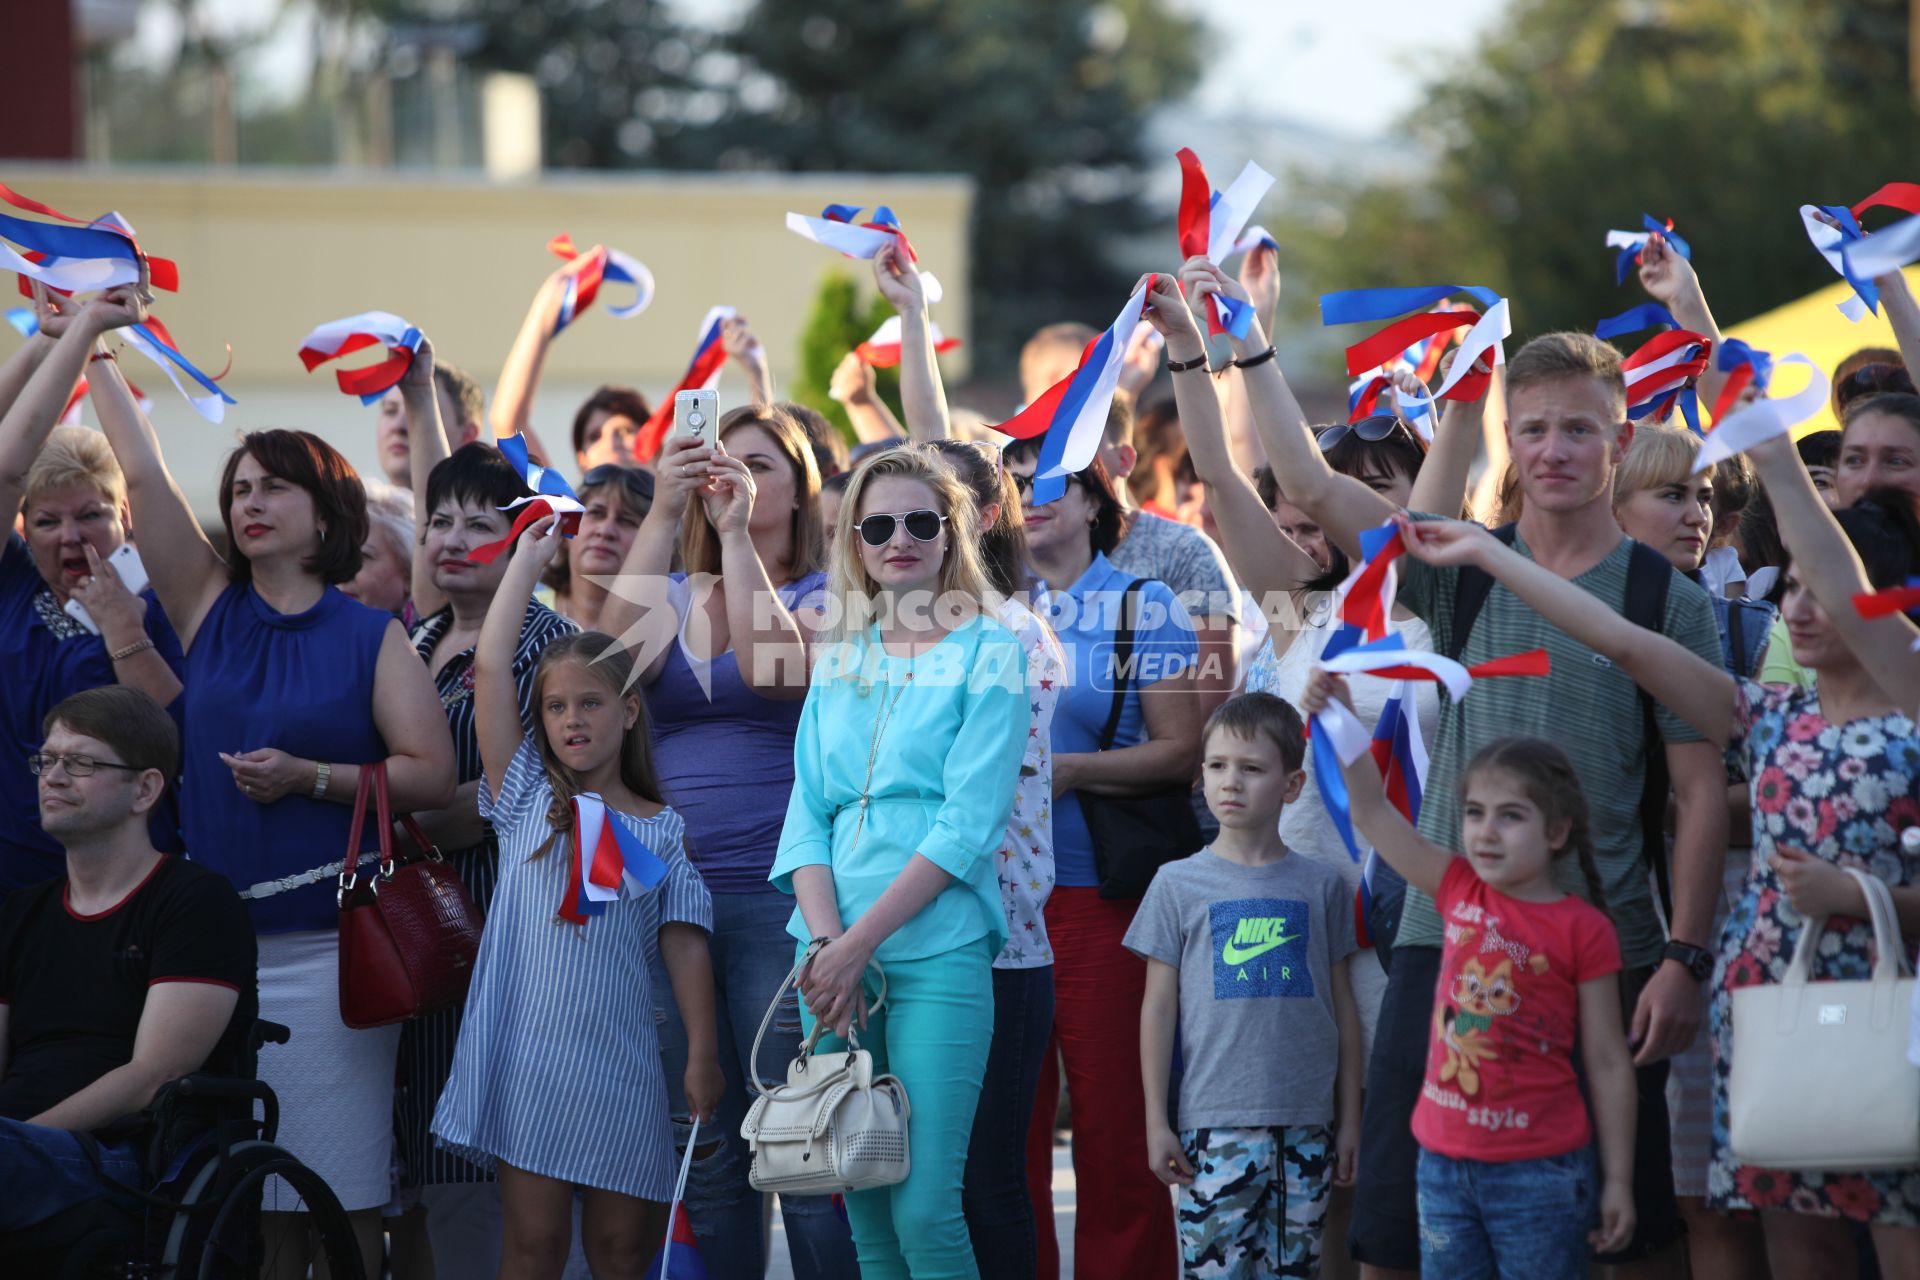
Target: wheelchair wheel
x=220 y=1237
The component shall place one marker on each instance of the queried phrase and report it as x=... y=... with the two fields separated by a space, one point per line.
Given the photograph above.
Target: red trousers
x=1123 y=1227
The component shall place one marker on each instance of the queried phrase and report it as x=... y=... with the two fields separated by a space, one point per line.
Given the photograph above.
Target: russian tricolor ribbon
x=550 y=495
x=1889 y=600
x=1835 y=229
x=1363 y=396
x=1482 y=342
x=1210 y=226
x=608 y=862
x=703 y=374
x=882 y=350
x=1765 y=418
x=1071 y=415
x=152 y=340
x=1255 y=237
x=1632 y=244
x=1660 y=374
x=1744 y=366
x=592 y=268
x=356 y=333
x=27 y=324
x=836 y=229
x=1885 y=251
x=89 y=255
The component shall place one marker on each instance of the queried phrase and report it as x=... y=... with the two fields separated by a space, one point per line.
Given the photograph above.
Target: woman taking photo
x=724 y=704
x=291 y=688
x=1124 y=1228
x=73 y=502
x=904 y=769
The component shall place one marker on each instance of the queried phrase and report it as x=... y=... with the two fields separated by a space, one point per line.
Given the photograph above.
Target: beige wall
x=264 y=257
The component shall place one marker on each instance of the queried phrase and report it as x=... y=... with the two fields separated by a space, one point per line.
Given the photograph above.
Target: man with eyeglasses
x=133 y=969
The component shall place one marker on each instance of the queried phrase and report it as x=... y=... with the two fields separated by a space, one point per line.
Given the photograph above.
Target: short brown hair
x=1570 y=354
x=463 y=389
x=614 y=402
x=1249 y=715
x=1119 y=428
x=127 y=720
x=339 y=500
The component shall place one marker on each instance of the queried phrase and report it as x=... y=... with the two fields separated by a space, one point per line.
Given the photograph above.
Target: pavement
x=779 y=1268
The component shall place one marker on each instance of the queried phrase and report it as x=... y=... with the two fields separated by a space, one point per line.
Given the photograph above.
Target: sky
x=1351 y=67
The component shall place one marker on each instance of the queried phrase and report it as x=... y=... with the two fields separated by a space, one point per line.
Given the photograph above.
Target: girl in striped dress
x=556 y=1079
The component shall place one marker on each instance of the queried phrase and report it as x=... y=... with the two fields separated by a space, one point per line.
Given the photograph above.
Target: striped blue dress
x=557 y=1071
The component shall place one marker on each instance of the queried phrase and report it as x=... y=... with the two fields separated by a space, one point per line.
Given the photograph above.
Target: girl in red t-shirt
x=1526 y=971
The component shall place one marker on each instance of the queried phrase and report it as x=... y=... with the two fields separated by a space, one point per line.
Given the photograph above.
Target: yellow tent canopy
x=1814 y=327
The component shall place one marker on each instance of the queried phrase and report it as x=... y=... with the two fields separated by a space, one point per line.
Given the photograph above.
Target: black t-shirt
x=75 y=986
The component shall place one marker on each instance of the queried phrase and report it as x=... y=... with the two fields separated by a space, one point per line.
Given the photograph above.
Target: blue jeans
x=45 y=1172
x=752 y=954
x=999 y=1213
x=1517 y=1220
x=933 y=1034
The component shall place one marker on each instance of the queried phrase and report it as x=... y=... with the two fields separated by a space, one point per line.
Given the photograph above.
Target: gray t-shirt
x=1182 y=557
x=1255 y=947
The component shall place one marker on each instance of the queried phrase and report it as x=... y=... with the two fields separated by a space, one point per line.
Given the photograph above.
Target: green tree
x=1574 y=117
x=1042 y=104
x=834 y=327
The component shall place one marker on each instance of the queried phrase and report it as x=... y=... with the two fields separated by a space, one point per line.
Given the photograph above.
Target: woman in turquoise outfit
x=904 y=769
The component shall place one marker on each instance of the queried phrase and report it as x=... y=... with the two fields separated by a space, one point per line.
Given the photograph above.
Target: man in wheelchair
x=133 y=969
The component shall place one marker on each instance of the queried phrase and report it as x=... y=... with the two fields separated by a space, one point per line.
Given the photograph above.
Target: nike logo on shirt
x=1255 y=936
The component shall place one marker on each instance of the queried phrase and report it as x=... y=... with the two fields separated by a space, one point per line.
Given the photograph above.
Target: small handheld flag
x=703 y=373
x=355 y=333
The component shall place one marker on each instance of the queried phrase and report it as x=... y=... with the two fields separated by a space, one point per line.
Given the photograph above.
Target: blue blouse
x=47 y=657
x=301 y=682
x=1086 y=616
x=945 y=731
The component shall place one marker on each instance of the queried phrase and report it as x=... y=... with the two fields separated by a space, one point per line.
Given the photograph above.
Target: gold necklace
x=873 y=755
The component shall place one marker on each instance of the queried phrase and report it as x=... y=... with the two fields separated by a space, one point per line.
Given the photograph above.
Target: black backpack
x=1649 y=574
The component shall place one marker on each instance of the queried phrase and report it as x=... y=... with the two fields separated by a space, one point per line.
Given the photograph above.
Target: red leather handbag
x=408 y=931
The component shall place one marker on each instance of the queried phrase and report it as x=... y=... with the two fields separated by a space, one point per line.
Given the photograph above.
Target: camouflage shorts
x=1257 y=1203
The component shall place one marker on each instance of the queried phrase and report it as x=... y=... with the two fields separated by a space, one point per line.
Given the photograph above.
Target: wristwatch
x=1698 y=960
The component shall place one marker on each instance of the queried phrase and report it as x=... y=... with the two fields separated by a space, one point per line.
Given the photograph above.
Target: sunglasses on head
x=922 y=526
x=1875 y=379
x=1373 y=428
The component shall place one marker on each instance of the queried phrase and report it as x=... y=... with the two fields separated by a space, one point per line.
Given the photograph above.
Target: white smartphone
x=696 y=414
x=133 y=575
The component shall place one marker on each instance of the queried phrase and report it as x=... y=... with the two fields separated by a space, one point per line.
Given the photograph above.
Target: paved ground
x=1063 y=1205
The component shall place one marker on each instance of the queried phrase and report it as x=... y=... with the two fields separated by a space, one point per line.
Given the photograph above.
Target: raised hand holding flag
x=1210 y=227
x=703 y=373
x=1836 y=232
x=355 y=333
x=835 y=228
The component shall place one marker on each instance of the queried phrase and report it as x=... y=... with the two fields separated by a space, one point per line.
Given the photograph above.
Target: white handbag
x=833 y=1126
x=1820 y=1078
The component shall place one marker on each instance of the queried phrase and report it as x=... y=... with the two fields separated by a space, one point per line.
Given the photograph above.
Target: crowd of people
x=1034 y=763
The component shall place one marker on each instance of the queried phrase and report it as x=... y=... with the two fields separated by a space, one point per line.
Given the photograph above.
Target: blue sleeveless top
x=301 y=682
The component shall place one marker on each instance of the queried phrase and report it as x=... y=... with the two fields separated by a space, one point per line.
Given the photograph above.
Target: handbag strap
x=813 y=1037
x=1122 y=660
x=373 y=781
x=1890 y=961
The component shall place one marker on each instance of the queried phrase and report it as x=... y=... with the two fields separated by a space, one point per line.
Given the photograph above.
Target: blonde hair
x=76 y=456
x=390 y=514
x=1658 y=455
x=1553 y=356
x=963 y=573
x=700 y=545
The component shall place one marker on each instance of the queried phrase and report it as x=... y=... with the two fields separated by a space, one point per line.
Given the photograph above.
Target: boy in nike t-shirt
x=1246 y=948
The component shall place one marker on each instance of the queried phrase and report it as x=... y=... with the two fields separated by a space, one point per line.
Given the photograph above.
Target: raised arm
x=427 y=448
x=679 y=473
x=1813 y=538
x=769 y=646
x=1697 y=691
x=922 y=396
x=1670 y=280
x=496 y=699
x=21 y=366
x=187 y=575
x=1421 y=862
x=1903 y=314
x=1343 y=506
x=1260 y=277
x=512 y=412
x=37 y=380
x=1263 y=558
x=852 y=386
x=745 y=350
x=1441 y=485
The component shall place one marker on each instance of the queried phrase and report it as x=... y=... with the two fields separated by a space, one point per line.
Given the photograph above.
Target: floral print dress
x=1843 y=793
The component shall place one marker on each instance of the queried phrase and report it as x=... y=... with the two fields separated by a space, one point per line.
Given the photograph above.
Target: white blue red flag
x=1765 y=418
x=703 y=374
x=1480 y=349
x=1632 y=244
x=1836 y=232
x=882 y=350
x=550 y=495
x=1660 y=373
x=609 y=862
x=836 y=229
x=1210 y=226
x=356 y=333
x=1071 y=416
x=590 y=270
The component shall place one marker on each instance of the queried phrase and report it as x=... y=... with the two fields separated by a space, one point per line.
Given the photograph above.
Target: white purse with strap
x=1820 y=1078
x=833 y=1126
